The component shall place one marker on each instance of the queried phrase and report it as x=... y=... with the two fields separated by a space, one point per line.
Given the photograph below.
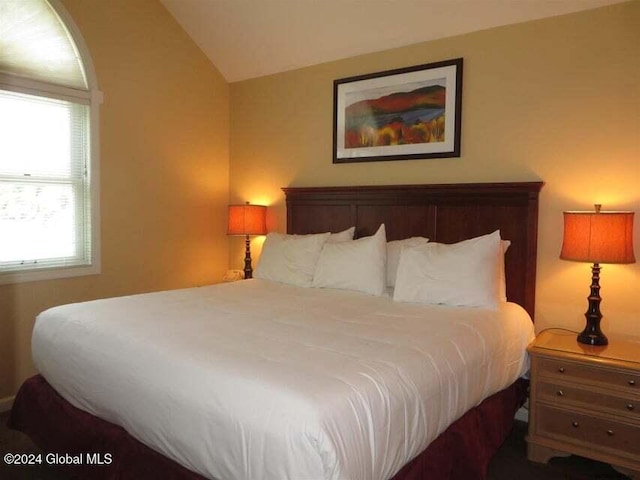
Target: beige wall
x=164 y=170
x=556 y=100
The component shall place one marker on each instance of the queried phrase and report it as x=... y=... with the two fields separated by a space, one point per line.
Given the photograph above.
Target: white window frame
x=92 y=97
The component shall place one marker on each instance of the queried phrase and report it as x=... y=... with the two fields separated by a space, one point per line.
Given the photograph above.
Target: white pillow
x=343 y=236
x=461 y=274
x=357 y=265
x=290 y=258
x=393 y=255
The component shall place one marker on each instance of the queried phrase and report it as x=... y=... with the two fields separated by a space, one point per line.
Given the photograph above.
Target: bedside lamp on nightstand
x=598 y=237
x=247 y=220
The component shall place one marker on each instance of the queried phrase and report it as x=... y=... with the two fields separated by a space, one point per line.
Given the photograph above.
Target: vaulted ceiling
x=252 y=38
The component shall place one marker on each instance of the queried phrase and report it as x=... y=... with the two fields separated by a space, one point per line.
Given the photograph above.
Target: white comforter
x=259 y=380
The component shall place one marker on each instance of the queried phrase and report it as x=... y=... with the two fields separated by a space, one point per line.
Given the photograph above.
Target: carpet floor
x=510 y=463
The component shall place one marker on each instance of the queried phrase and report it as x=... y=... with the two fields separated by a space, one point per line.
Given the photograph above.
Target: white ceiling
x=251 y=38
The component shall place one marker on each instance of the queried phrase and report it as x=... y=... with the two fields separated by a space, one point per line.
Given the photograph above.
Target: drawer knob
x=575 y=424
x=610 y=433
x=560 y=393
x=630 y=406
x=561 y=369
x=632 y=382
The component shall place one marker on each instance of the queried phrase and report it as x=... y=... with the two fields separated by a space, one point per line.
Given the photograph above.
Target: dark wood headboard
x=443 y=213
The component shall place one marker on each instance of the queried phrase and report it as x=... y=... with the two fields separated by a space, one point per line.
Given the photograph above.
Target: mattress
x=260 y=380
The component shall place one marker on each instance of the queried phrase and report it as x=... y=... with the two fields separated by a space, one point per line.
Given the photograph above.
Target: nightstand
x=585 y=400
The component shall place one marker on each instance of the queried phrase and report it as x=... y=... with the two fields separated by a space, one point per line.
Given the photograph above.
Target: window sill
x=47 y=274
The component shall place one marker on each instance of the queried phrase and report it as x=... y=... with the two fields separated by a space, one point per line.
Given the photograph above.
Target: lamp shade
x=598 y=237
x=247 y=220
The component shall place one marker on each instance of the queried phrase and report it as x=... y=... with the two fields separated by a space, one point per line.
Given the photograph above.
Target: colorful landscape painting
x=398 y=118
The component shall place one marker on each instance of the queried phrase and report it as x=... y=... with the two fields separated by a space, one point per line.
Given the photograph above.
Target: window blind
x=44 y=187
x=35 y=44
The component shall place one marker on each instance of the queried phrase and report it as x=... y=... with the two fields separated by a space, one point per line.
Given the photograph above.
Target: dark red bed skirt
x=462 y=452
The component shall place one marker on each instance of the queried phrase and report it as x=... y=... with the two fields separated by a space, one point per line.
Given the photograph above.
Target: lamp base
x=248 y=270
x=589 y=338
x=592 y=335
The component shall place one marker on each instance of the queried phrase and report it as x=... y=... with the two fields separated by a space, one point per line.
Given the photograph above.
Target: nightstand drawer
x=594 y=374
x=562 y=395
x=584 y=430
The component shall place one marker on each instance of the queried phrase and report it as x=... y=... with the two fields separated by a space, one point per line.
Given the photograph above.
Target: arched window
x=49 y=104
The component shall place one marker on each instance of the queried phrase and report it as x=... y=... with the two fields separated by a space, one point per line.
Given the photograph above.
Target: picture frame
x=402 y=114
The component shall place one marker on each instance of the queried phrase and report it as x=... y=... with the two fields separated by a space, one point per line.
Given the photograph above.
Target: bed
x=345 y=329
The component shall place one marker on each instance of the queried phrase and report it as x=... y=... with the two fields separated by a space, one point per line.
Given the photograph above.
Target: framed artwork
x=403 y=114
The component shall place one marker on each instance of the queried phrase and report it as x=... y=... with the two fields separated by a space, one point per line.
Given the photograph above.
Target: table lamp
x=597 y=237
x=247 y=220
